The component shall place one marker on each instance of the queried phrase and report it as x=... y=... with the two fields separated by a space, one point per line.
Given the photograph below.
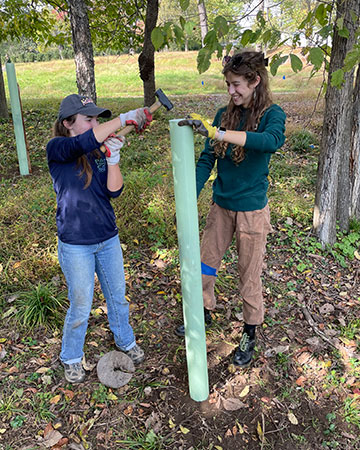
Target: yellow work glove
x=200 y=125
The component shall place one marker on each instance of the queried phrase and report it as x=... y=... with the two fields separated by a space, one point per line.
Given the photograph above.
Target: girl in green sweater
x=241 y=140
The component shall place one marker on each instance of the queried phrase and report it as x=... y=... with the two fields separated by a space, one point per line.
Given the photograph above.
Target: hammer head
x=163 y=99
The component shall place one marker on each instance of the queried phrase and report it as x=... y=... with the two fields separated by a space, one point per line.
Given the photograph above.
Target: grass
x=117 y=77
x=41 y=306
x=299 y=272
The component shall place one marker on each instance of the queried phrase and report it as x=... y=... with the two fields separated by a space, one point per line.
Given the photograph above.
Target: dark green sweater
x=244 y=187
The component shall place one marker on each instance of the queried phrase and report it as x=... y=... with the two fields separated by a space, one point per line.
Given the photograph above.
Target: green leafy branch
x=319 y=20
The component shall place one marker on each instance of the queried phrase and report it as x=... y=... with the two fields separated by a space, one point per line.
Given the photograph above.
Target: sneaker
x=245 y=351
x=136 y=354
x=180 y=330
x=74 y=373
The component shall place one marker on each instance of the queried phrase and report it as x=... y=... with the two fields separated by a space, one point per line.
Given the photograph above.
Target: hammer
x=162 y=101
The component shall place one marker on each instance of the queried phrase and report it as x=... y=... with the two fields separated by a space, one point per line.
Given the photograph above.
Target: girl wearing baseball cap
x=85 y=180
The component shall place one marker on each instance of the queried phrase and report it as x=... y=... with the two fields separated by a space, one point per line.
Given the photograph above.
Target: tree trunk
x=83 y=49
x=203 y=20
x=4 y=113
x=344 y=138
x=348 y=109
x=332 y=200
x=146 y=57
x=355 y=153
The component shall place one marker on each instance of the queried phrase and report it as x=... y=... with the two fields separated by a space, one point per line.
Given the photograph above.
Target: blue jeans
x=79 y=264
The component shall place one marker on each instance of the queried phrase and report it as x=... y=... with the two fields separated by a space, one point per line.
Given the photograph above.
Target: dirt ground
x=301 y=392
x=282 y=401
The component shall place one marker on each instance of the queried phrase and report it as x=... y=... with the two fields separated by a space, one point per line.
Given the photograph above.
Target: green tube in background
x=183 y=161
x=17 y=119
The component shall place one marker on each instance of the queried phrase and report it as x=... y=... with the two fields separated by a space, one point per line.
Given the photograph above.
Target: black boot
x=244 y=353
x=208 y=318
x=180 y=331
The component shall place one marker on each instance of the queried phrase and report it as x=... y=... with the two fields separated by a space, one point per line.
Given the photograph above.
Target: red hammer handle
x=126 y=130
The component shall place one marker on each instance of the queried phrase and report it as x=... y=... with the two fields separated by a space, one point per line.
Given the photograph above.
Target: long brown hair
x=60 y=129
x=248 y=64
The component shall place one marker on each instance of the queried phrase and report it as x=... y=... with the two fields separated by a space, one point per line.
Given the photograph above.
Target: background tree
x=202 y=20
x=83 y=49
x=333 y=190
x=146 y=58
x=20 y=18
x=107 y=25
x=355 y=152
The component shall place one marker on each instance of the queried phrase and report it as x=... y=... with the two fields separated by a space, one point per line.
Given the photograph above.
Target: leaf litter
x=293 y=396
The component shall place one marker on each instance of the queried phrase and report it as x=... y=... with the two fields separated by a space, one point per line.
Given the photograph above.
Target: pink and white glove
x=140 y=118
x=113 y=145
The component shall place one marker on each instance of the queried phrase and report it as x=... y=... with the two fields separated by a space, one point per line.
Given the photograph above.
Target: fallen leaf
x=292 y=418
x=274 y=351
x=233 y=404
x=326 y=309
x=69 y=395
x=75 y=446
x=86 y=365
x=48 y=429
x=301 y=380
x=61 y=443
x=244 y=392
x=147 y=391
x=9 y=312
x=304 y=358
x=260 y=431
x=153 y=422
x=43 y=369
x=52 y=438
x=55 y=400
x=184 y=430
x=3 y=353
x=311 y=395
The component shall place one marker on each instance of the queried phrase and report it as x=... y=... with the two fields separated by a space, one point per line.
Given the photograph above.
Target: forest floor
x=302 y=390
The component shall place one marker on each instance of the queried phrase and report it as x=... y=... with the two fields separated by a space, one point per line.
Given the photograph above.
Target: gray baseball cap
x=77 y=104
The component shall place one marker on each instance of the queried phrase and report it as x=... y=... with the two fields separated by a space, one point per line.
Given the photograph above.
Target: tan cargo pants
x=251 y=229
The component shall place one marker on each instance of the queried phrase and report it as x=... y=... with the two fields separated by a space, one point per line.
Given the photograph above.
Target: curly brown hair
x=248 y=64
x=59 y=129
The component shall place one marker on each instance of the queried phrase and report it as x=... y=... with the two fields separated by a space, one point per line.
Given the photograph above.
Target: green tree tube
x=183 y=161
x=17 y=119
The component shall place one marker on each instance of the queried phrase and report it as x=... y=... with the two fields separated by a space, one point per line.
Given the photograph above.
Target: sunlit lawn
x=118 y=76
